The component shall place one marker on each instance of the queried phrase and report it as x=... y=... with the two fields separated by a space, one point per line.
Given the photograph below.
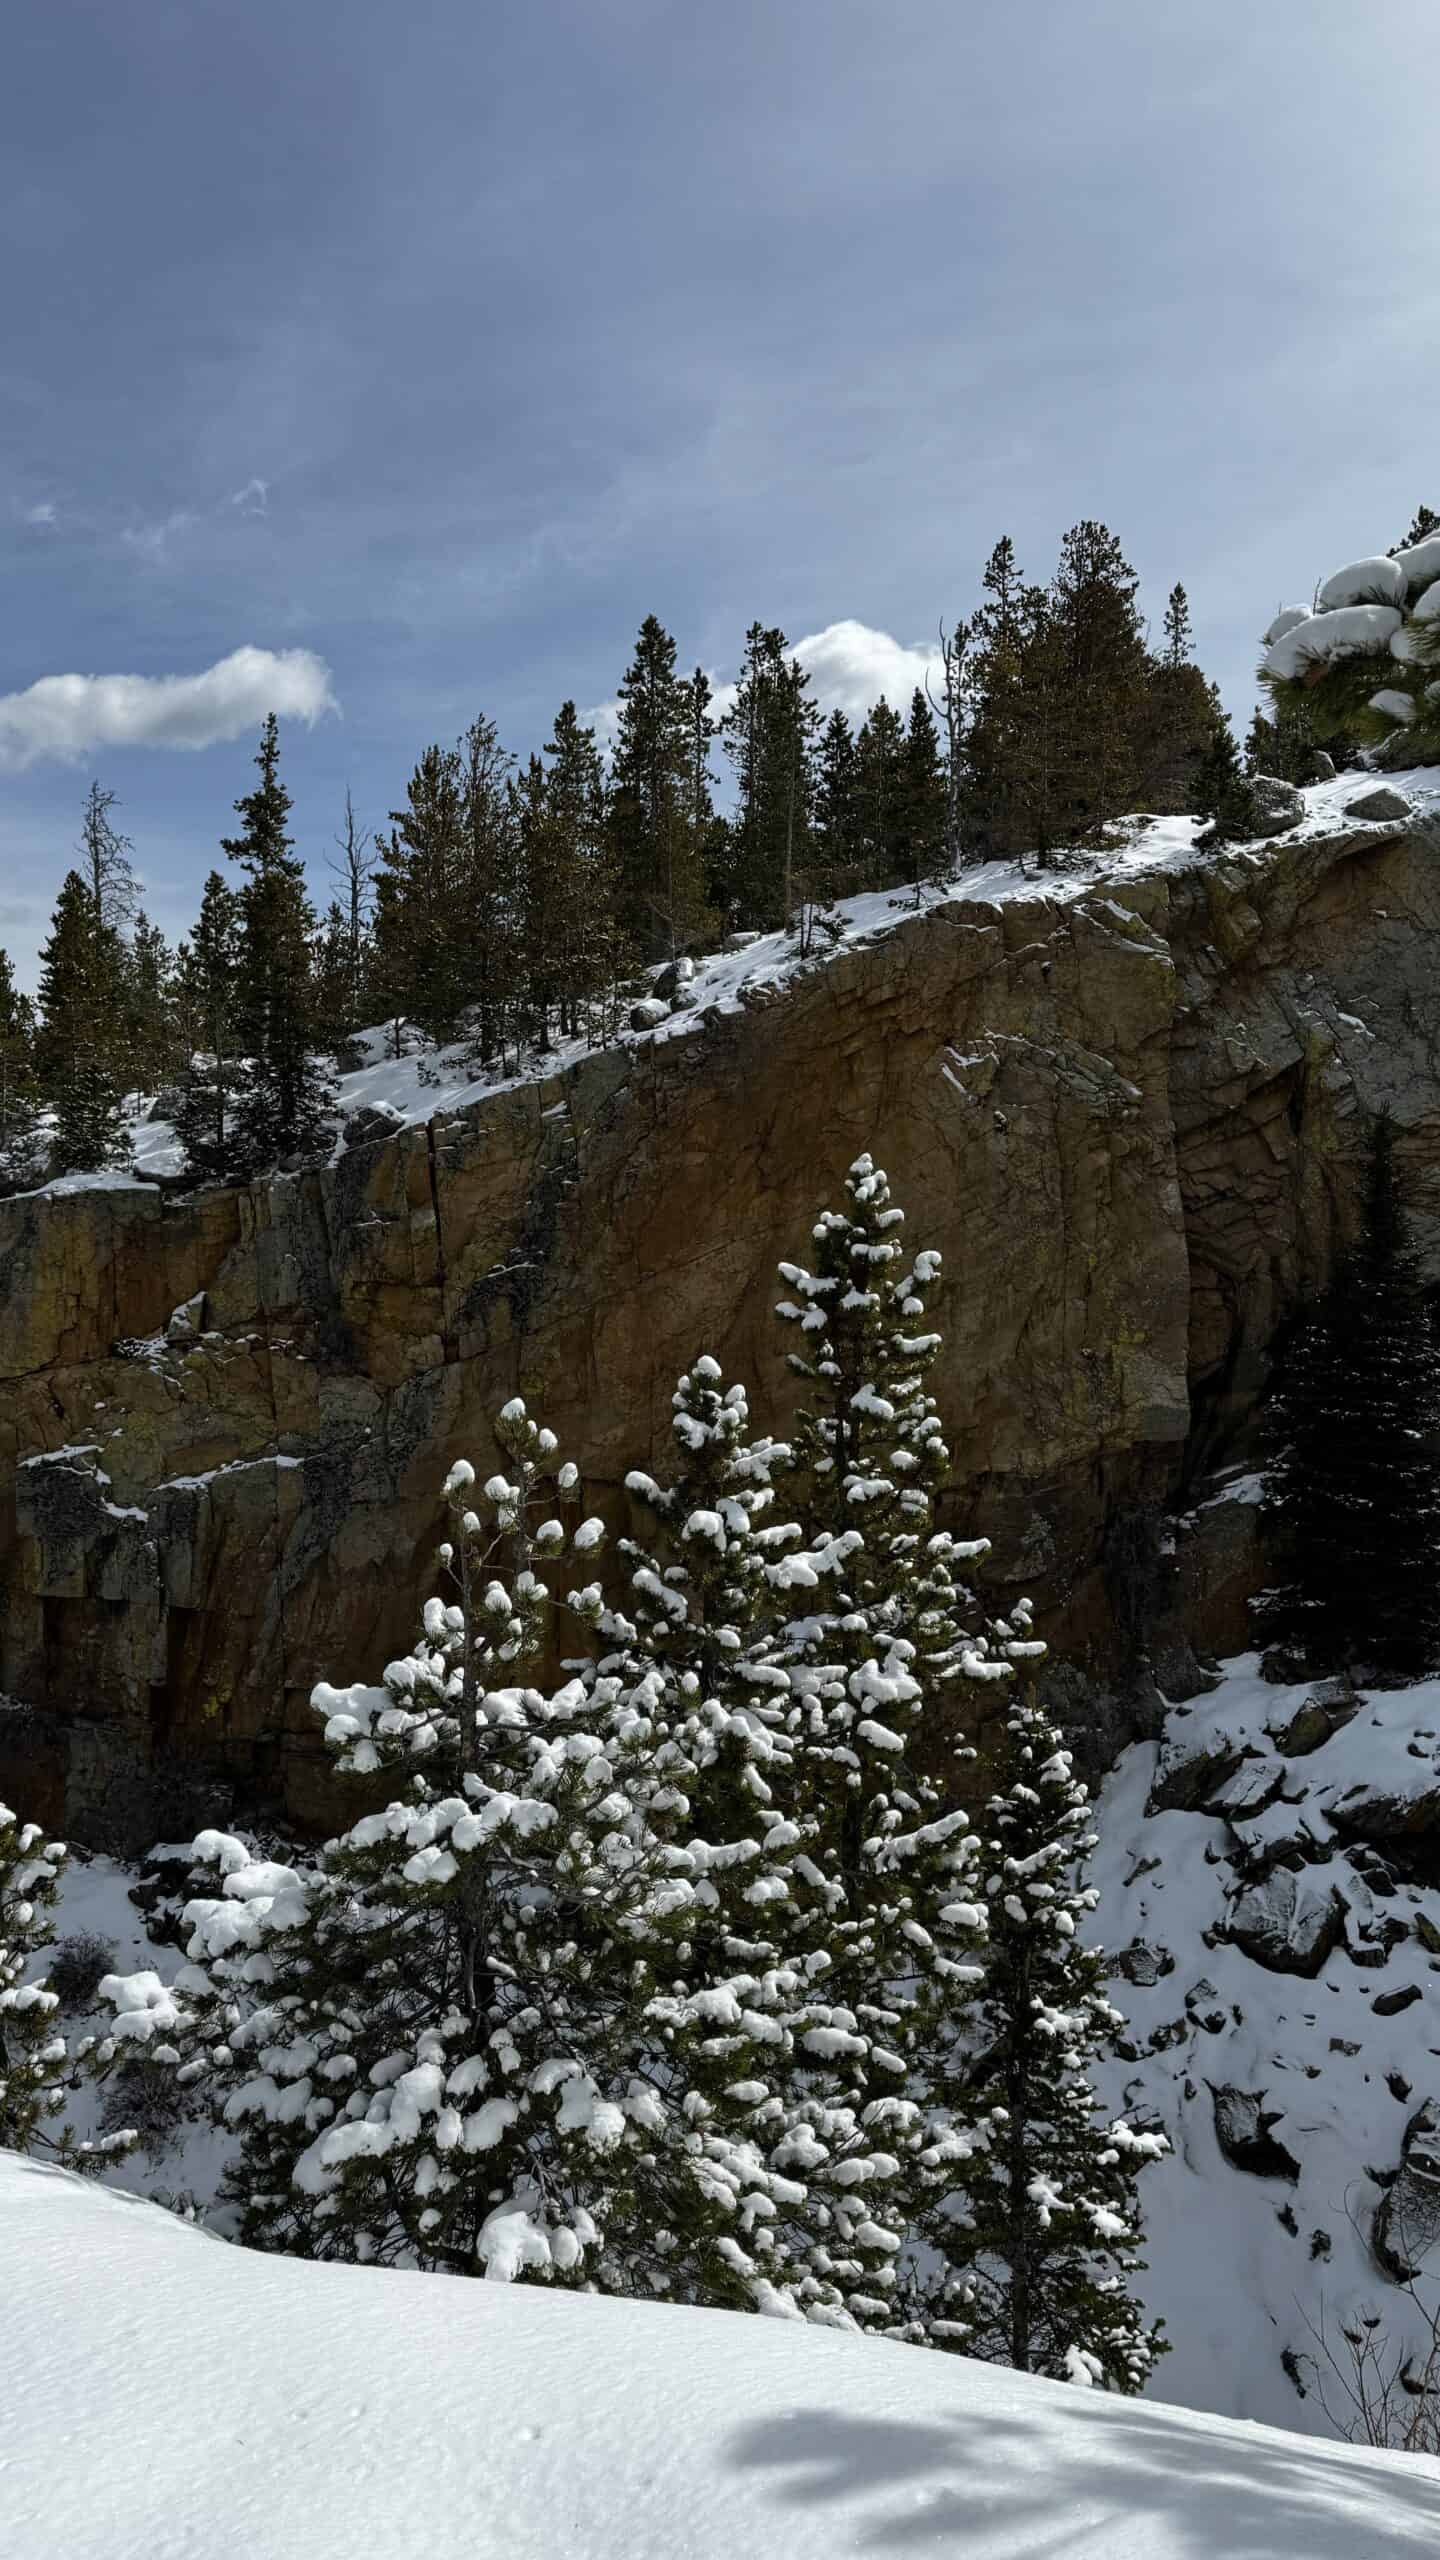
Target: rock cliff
x=1128 y=1107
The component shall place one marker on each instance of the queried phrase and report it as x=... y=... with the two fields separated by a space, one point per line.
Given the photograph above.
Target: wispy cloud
x=63 y=717
x=152 y=540
x=252 y=500
x=44 y=514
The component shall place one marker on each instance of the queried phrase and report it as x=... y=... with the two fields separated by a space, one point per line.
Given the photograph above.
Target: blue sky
x=428 y=348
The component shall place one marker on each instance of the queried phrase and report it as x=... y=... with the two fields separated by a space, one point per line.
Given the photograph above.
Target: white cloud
x=44 y=514
x=68 y=716
x=253 y=499
x=850 y=666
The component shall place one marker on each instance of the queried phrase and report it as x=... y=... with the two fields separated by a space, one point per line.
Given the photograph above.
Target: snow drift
x=169 y=2398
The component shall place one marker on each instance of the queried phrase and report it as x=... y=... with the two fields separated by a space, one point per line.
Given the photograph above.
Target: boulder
x=672 y=981
x=1192 y=1771
x=366 y=1127
x=187 y=1322
x=1243 y=2130
x=1288 y=1923
x=1275 y=806
x=1388 y=1814
x=1382 y=802
x=1407 y=2223
x=1328 y=1706
x=648 y=1013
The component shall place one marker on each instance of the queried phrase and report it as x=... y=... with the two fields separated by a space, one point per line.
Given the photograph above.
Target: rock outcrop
x=1129 y=1110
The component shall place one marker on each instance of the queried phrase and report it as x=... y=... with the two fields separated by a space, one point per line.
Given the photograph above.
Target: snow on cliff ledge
x=427 y=1084
x=168 y=2398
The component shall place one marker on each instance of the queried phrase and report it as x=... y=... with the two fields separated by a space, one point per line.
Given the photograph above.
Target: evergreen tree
x=1009 y=795
x=286 y=1096
x=1352 y=1495
x=1221 y=797
x=19 y=1089
x=923 y=852
x=1423 y=523
x=1040 y=2240
x=836 y=833
x=1285 y=745
x=37 y=2071
x=148 y=998
x=769 y=734
x=1102 y=671
x=79 y=1037
x=881 y=812
x=588 y=955
x=1177 y=720
x=659 y=814
x=797 y=2006
x=208 y=982
x=348 y=955
x=423 y=922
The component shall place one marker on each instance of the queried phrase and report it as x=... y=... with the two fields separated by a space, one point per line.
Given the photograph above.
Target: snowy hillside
x=1277 y=1930
x=425 y=1083
x=169 y=2398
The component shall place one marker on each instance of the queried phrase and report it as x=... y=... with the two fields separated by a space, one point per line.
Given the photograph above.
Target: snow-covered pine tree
x=1039 y=2237
x=426 y=2041
x=1352 y=1495
x=37 y=2070
x=791 y=2074
x=889 y=1644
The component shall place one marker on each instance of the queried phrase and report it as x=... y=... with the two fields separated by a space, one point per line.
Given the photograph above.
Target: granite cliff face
x=1130 y=1111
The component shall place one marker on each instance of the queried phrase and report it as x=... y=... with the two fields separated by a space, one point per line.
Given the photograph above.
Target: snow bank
x=169 y=2398
x=1375 y=581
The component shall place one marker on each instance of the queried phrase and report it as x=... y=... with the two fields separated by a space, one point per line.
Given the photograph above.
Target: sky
x=385 y=365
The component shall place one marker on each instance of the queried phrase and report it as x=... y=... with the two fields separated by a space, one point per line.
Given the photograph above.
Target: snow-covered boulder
x=1354 y=631
x=1407 y=2226
x=186 y=1323
x=1375 y=581
x=1393 y=704
x=368 y=1126
x=649 y=1013
x=1289 y=1923
x=1192 y=1772
x=1323 y=1711
x=1276 y=805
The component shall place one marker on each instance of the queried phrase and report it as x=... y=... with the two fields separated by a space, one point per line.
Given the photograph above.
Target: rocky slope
x=1270 y=1881
x=1127 y=1101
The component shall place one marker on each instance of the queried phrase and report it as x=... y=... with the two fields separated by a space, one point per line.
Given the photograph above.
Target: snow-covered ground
x=169 y=2398
x=1244 y=2267
x=426 y=1083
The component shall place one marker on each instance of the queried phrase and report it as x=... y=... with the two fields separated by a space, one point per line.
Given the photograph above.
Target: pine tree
x=1285 y=745
x=19 y=1090
x=922 y=850
x=1008 y=803
x=658 y=792
x=423 y=922
x=1424 y=522
x=1177 y=719
x=1102 y=672
x=79 y=1038
x=589 y=954
x=105 y=862
x=286 y=1097
x=208 y=980
x=881 y=812
x=1221 y=798
x=1040 y=2238
x=769 y=734
x=1352 y=1494
x=37 y=2070
x=148 y=1004
x=349 y=955
x=795 y=2009
x=836 y=839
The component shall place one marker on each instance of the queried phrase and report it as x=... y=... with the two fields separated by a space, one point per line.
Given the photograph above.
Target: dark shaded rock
x=1382 y=802
x=1389 y=2004
x=366 y=1127
x=673 y=981
x=1142 y=1965
x=1255 y=1784
x=1243 y=2131
x=1275 y=805
x=1388 y=1814
x=1407 y=2224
